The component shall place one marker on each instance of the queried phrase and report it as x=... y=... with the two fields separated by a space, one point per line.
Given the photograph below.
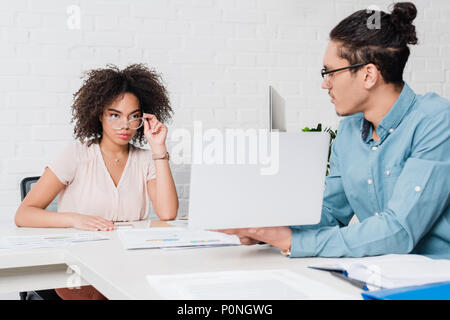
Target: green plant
x=333 y=134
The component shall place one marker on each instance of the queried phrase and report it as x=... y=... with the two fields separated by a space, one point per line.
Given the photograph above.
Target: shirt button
x=391 y=130
x=370 y=181
x=377 y=214
x=375 y=148
x=388 y=173
x=417 y=189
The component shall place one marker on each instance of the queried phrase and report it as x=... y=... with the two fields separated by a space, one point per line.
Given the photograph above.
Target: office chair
x=25 y=186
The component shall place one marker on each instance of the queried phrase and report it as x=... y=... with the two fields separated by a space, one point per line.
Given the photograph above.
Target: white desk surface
x=120 y=274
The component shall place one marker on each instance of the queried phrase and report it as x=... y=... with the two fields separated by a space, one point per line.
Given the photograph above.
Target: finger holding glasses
x=154 y=131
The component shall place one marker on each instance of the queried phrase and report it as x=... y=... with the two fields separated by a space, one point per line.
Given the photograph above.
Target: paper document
x=178 y=223
x=391 y=271
x=279 y=284
x=47 y=240
x=174 y=238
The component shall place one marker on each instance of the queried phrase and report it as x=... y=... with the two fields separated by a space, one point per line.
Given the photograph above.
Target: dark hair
x=103 y=86
x=385 y=46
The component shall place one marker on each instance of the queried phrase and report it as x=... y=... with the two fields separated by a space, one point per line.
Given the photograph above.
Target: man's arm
x=419 y=198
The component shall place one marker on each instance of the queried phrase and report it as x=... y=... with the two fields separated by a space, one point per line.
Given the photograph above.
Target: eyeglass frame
x=110 y=119
x=323 y=72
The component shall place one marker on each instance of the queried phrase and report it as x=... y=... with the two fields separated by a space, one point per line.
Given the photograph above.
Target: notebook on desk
x=390 y=271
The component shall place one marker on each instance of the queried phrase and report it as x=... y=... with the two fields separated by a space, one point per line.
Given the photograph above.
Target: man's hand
x=279 y=237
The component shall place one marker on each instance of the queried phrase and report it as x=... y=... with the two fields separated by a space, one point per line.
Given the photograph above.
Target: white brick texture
x=217 y=58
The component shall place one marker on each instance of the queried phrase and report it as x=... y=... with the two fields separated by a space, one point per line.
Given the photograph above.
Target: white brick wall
x=217 y=58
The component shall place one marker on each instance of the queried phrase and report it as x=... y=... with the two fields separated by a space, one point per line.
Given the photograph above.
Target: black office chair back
x=25 y=186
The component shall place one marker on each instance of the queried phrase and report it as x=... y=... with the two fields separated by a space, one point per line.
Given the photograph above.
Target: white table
x=120 y=274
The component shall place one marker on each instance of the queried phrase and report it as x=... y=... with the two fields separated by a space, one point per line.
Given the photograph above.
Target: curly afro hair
x=103 y=86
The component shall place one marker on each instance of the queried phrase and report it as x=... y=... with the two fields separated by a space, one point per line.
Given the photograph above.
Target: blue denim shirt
x=398 y=187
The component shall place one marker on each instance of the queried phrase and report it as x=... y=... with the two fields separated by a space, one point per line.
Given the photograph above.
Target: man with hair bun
x=390 y=162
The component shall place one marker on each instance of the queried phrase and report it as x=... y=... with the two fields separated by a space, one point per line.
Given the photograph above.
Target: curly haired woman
x=103 y=178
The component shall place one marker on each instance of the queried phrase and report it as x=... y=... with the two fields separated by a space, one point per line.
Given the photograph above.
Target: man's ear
x=371 y=75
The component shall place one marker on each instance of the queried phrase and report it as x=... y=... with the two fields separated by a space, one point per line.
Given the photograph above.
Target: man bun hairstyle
x=385 y=46
x=402 y=16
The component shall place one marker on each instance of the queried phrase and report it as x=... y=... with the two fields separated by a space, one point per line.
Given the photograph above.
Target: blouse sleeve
x=65 y=164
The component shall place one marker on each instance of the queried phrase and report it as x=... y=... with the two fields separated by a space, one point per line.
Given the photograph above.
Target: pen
x=359 y=284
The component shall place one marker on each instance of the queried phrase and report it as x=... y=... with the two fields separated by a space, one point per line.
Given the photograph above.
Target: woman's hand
x=90 y=223
x=155 y=132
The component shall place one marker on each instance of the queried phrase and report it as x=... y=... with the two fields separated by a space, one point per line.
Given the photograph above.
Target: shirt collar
x=391 y=121
x=399 y=110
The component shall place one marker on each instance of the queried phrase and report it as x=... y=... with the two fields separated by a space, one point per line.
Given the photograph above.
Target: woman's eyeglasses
x=117 y=123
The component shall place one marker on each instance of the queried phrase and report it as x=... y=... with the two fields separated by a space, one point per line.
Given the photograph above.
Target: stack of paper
x=174 y=238
x=391 y=271
x=47 y=240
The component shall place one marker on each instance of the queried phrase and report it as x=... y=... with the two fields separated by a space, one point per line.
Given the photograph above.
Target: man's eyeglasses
x=326 y=74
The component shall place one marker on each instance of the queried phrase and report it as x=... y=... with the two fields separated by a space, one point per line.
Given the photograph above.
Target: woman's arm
x=161 y=190
x=32 y=213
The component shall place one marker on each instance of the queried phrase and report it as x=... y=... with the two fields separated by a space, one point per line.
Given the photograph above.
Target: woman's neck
x=110 y=147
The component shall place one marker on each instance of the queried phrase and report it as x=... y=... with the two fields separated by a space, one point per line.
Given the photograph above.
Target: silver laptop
x=239 y=196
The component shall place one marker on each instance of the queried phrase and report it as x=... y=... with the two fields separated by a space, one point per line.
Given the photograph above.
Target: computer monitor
x=277 y=111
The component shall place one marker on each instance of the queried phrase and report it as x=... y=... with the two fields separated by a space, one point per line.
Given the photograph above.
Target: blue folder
x=435 y=291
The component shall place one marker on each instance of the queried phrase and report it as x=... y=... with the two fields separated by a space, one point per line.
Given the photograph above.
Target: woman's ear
x=371 y=75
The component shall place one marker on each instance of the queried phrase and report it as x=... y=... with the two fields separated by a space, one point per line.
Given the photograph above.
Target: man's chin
x=339 y=113
x=342 y=113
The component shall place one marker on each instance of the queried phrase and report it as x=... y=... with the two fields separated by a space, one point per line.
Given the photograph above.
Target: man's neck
x=380 y=103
